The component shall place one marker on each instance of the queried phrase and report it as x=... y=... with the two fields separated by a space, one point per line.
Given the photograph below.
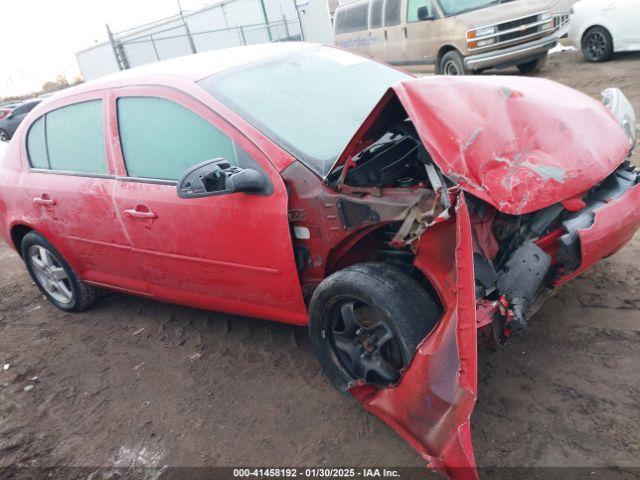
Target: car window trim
x=72 y=174
x=100 y=99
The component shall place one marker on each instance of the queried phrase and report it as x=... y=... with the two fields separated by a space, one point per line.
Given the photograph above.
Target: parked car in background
x=601 y=27
x=459 y=37
x=12 y=118
x=6 y=109
x=401 y=219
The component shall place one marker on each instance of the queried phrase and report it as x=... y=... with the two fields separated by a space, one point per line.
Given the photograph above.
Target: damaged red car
x=403 y=220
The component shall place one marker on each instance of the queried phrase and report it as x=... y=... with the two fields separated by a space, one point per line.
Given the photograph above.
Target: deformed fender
x=431 y=406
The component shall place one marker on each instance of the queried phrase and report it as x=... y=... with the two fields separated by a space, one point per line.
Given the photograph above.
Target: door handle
x=44 y=200
x=386 y=36
x=141 y=212
x=406 y=33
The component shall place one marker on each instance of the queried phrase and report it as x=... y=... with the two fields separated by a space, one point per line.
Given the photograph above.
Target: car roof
x=193 y=67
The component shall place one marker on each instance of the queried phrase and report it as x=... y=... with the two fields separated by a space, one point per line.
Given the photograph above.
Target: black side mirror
x=424 y=14
x=219 y=177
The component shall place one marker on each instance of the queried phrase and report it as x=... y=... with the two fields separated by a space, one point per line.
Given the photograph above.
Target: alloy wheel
x=365 y=344
x=50 y=274
x=596 y=45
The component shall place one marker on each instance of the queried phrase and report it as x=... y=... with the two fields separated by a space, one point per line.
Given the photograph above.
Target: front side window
x=352 y=18
x=69 y=139
x=162 y=139
x=456 y=7
x=310 y=102
x=414 y=5
x=75 y=138
x=392 y=12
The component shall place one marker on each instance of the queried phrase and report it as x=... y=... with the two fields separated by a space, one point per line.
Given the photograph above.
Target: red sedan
x=402 y=219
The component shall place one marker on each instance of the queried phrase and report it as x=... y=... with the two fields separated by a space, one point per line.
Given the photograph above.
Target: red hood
x=520 y=144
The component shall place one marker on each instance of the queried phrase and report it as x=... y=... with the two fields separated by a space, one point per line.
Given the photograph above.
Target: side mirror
x=219 y=177
x=424 y=14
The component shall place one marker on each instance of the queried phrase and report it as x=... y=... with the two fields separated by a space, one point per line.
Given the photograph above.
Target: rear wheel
x=597 y=45
x=452 y=64
x=54 y=276
x=533 y=66
x=367 y=321
x=4 y=136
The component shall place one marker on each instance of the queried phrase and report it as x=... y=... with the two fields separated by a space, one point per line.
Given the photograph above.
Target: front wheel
x=54 y=276
x=452 y=63
x=367 y=321
x=532 y=66
x=597 y=45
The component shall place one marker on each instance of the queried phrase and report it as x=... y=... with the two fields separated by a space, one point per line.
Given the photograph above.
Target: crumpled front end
x=525 y=197
x=431 y=406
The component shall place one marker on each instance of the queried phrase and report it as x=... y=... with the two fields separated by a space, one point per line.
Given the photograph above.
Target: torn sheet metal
x=431 y=406
x=520 y=144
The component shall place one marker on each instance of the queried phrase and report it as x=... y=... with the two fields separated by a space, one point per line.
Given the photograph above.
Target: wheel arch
x=442 y=51
x=18 y=231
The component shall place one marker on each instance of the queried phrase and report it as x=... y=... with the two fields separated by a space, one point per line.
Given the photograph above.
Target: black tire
x=532 y=66
x=4 y=136
x=452 y=63
x=597 y=45
x=392 y=312
x=82 y=294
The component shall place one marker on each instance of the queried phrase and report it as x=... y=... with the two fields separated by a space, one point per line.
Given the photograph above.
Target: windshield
x=310 y=102
x=454 y=7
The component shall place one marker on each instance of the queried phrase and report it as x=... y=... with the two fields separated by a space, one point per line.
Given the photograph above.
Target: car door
x=69 y=186
x=626 y=34
x=394 y=32
x=230 y=252
x=420 y=43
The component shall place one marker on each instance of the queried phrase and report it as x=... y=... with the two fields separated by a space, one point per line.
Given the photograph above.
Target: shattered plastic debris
x=138 y=332
x=28 y=388
x=6 y=367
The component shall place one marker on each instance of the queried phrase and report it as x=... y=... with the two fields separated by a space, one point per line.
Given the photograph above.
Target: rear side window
x=352 y=18
x=376 y=13
x=75 y=138
x=36 y=147
x=69 y=139
x=161 y=139
x=392 y=12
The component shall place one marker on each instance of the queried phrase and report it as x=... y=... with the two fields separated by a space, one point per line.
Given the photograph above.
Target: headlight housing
x=475 y=40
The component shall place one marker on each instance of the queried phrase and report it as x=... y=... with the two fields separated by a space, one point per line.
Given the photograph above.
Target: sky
x=39 y=38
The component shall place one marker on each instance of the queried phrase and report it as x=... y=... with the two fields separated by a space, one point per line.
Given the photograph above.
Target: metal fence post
x=186 y=28
x=155 y=49
x=244 y=39
x=286 y=26
x=118 y=50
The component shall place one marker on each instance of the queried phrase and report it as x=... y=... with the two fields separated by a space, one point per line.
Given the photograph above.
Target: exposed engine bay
x=517 y=258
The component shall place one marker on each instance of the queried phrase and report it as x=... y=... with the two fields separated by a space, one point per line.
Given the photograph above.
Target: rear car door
x=230 y=252
x=69 y=187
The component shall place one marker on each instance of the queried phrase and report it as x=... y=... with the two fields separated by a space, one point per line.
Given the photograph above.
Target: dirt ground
x=133 y=382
